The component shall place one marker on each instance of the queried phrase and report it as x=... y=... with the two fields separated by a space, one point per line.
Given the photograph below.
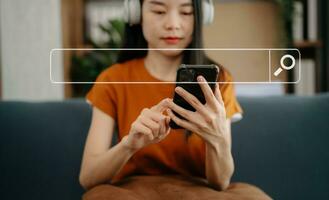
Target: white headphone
x=132 y=11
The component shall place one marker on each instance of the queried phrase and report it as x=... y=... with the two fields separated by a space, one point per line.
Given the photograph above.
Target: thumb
x=166 y=126
x=167 y=120
x=167 y=123
x=161 y=106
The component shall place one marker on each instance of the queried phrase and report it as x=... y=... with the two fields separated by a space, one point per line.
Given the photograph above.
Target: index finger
x=208 y=94
x=161 y=106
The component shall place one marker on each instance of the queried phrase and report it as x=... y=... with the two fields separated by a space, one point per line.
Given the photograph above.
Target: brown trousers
x=171 y=188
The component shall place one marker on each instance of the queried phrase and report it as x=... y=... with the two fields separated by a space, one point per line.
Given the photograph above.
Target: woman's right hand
x=150 y=127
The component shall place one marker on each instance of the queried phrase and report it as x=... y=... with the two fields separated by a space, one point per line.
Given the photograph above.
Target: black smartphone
x=187 y=78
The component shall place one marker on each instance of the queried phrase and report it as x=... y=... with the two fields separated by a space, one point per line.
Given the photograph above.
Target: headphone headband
x=132 y=11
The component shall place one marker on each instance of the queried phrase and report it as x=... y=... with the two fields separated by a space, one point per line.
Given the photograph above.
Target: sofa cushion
x=280 y=145
x=41 y=148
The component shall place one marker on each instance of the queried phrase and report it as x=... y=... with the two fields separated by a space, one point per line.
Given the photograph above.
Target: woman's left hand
x=209 y=119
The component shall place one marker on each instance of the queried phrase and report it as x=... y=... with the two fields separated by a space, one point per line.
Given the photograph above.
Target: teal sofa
x=281 y=145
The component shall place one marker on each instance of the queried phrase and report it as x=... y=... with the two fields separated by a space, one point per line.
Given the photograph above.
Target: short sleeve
x=102 y=95
x=232 y=106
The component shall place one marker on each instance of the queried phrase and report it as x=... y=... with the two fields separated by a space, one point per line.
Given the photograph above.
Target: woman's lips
x=172 y=40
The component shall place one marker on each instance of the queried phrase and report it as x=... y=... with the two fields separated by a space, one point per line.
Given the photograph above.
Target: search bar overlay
x=246 y=65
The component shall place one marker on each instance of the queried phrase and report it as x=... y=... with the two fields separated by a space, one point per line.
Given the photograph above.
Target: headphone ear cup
x=208 y=11
x=132 y=12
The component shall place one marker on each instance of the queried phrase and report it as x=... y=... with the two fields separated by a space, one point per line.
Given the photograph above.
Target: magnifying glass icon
x=283 y=66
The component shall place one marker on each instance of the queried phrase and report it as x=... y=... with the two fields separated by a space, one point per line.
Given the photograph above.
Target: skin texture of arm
x=100 y=163
x=219 y=162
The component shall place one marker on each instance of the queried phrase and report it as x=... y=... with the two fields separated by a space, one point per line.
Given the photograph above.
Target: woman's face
x=168 y=24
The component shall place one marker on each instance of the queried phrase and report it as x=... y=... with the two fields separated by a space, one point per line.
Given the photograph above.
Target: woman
x=147 y=145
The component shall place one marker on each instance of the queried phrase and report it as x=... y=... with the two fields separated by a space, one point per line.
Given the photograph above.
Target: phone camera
x=187 y=75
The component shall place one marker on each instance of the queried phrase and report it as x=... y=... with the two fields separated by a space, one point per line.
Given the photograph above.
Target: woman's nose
x=172 y=21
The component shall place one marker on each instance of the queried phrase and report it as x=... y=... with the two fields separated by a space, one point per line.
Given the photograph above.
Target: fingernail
x=200 y=78
x=178 y=89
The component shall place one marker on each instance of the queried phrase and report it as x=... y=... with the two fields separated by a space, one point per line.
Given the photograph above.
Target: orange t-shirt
x=124 y=103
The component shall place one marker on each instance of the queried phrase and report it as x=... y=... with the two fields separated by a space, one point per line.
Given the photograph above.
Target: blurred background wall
x=29 y=30
x=245 y=24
